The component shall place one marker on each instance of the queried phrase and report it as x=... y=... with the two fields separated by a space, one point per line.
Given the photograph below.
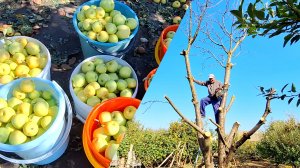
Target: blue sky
x=261 y=62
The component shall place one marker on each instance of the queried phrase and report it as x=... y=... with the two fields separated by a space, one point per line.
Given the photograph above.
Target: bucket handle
x=119 y=54
x=63 y=139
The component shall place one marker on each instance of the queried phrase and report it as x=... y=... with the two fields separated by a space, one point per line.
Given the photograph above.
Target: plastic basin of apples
x=164 y=39
x=104 y=86
x=109 y=40
x=149 y=78
x=22 y=56
x=33 y=143
x=92 y=124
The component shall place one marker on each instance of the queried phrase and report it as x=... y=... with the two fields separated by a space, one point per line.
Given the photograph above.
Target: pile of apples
x=20 y=58
x=169 y=38
x=99 y=81
x=105 y=24
x=27 y=114
x=112 y=127
x=175 y=4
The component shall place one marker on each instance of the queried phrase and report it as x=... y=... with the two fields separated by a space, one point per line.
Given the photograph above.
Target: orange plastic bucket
x=89 y=154
x=91 y=124
x=147 y=82
x=163 y=47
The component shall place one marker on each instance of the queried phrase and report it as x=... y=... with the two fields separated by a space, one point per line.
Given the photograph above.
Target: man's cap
x=211 y=76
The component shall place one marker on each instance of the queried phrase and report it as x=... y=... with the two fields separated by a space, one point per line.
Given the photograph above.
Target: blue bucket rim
x=46 y=134
x=98 y=42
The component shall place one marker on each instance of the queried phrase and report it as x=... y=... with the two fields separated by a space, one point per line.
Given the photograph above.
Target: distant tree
x=270 y=19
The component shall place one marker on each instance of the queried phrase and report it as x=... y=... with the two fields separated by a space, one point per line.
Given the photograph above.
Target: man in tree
x=214 y=95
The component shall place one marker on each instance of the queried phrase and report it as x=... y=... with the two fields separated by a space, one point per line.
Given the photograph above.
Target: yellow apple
x=19 y=58
x=30 y=129
x=14 y=102
x=6 y=114
x=32 y=48
x=18 y=93
x=17 y=137
x=32 y=62
x=34 y=118
x=35 y=72
x=27 y=85
x=4 y=134
x=41 y=108
x=82 y=96
x=6 y=79
x=99 y=144
x=15 y=47
x=43 y=62
x=34 y=94
x=100 y=133
x=111 y=150
x=4 y=69
x=3 y=103
x=4 y=55
x=22 y=41
x=111 y=128
x=89 y=91
x=46 y=121
x=104 y=117
x=24 y=108
x=19 y=120
x=21 y=70
x=129 y=112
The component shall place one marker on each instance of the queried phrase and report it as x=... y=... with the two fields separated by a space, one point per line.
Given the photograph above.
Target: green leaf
x=250 y=10
x=259 y=14
x=237 y=14
x=298 y=102
x=295 y=39
x=282 y=97
x=293 y=89
x=286 y=39
x=284 y=87
x=290 y=100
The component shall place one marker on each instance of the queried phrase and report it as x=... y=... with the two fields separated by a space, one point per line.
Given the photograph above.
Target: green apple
x=30 y=129
x=167 y=41
x=34 y=101
x=112 y=66
x=176 y=4
x=81 y=16
x=113 y=38
x=4 y=69
x=103 y=78
x=92 y=35
x=107 y=5
x=90 y=13
x=101 y=68
x=102 y=36
x=123 y=32
x=170 y=34
x=84 y=8
x=51 y=102
x=46 y=94
x=78 y=80
x=18 y=58
x=82 y=96
x=98 y=61
x=34 y=94
x=102 y=93
x=176 y=19
x=77 y=89
x=131 y=23
x=111 y=95
x=99 y=144
x=126 y=93
x=129 y=112
x=26 y=100
x=104 y=117
x=97 y=27
x=93 y=101
x=111 y=85
x=100 y=133
x=156 y=1
x=19 y=120
x=121 y=84
x=131 y=83
x=43 y=62
x=111 y=150
x=6 y=79
x=53 y=110
x=119 y=19
x=96 y=85
x=114 y=12
x=87 y=66
x=4 y=134
x=10 y=127
x=122 y=130
x=86 y=24
x=14 y=102
x=27 y=86
x=91 y=76
x=24 y=108
x=3 y=103
x=100 y=12
x=46 y=121
x=22 y=41
x=41 y=108
x=32 y=48
x=182 y=1
x=89 y=91
x=119 y=117
x=111 y=28
x=15 y=47
x=35 y=72
x=108 y=19
x=113 y=76
x=111 y=127
x=17 y=137
x=185 y=6
x=125 y=72
x=4 y=55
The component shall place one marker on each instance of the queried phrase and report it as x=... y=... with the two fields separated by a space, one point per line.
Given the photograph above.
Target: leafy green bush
x=248 y=151
x=281 y=144
x=153 y=146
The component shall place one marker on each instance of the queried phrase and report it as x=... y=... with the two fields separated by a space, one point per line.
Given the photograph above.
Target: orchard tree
x=223 y=35
x=270 y=19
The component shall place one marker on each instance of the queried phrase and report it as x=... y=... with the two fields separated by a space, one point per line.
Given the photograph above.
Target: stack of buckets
x=92 y=49
x=43 y=150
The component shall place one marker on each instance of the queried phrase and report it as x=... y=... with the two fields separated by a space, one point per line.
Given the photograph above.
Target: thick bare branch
x=232 y=133
x=186 y=119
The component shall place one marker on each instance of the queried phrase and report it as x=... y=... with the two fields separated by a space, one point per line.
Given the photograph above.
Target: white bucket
x=53 y=143
x=82 y=110
x=45 y=74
